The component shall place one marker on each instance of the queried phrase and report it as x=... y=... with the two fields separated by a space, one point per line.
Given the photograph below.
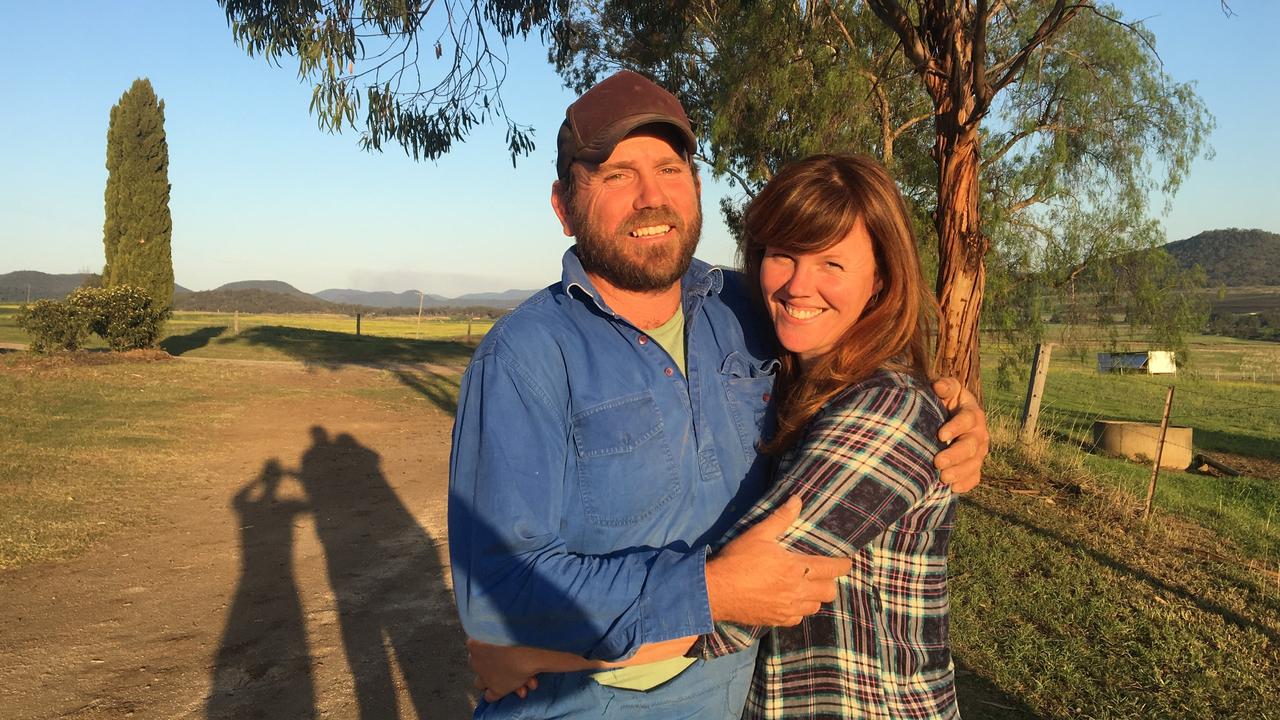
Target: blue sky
x=259 y=192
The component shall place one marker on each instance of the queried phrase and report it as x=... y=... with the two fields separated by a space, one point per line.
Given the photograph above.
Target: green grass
x=1066 y=605
x=1239 y=418
x=1072 y=613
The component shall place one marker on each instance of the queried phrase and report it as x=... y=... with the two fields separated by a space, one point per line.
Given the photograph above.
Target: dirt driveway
x=306 y=576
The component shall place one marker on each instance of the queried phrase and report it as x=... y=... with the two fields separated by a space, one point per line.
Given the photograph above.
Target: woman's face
x=813 y=298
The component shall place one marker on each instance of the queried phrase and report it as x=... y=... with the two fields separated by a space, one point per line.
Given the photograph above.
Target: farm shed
x=1151 y=362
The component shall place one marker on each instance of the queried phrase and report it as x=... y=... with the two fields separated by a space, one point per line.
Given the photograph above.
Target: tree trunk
x=961 y=249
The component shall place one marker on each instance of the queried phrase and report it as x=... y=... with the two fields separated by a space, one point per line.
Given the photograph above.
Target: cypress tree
x=137 y=229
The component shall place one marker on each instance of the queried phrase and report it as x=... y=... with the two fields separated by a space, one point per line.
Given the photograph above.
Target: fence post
x=357 y=324
x=235 y=324
x=1035 y=391
x=1155 y=470
x=468 y=330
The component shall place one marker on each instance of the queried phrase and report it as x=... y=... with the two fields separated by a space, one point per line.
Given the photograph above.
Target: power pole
x=417 y=332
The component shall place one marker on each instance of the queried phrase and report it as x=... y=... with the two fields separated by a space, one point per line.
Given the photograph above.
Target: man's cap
x=596 y=122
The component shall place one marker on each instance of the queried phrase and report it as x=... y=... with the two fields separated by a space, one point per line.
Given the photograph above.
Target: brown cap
x=603 y=116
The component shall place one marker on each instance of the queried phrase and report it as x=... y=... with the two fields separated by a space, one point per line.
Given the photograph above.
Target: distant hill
x=409 y=299
x=1232 y=257
x=266 y=296
x=48 y=286
x=271 y=286
x=509 y=298
x=255 y=300
x=43 y=286
x=384 y=299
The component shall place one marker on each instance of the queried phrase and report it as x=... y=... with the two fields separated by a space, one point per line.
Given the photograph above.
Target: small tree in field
x=126 y=317
x=54 y=326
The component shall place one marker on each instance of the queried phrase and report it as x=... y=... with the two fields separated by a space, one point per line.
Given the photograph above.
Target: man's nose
x=650 y=193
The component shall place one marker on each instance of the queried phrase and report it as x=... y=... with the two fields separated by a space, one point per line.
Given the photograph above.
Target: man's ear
x=560 y=204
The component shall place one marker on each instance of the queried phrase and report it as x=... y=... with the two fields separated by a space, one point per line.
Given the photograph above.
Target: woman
x=830 y=247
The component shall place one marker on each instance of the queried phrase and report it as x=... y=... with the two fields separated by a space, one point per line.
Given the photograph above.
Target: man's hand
x=961 y=462
x=502 y=670
x=755 y=581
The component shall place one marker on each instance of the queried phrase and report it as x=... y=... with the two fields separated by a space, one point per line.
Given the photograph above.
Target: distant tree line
x=1250 y=326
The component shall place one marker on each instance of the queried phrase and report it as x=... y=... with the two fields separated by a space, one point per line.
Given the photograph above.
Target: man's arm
x=961 y=462
x=514 y=580
x=517 y=584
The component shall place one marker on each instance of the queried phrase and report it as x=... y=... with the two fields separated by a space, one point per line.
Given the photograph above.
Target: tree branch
x=1011 y=68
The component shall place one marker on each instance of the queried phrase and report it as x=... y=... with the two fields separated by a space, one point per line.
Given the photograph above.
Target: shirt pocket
x=748 y=387
x=625 y=468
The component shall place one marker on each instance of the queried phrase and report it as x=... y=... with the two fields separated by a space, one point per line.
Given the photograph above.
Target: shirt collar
x=701 y=279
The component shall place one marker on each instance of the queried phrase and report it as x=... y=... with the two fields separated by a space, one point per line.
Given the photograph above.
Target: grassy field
x=91 y=442
x=1231 y=418
x=322 y=339
x=1064 y=604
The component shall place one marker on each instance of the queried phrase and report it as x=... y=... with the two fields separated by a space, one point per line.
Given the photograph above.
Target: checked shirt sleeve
x=866 y=460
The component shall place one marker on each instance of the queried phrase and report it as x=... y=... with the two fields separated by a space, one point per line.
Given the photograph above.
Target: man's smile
x=650 y=231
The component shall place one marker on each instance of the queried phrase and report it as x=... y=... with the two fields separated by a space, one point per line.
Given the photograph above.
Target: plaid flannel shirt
x=864 y=470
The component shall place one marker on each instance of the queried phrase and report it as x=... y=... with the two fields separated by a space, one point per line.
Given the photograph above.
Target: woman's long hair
x=809 y=206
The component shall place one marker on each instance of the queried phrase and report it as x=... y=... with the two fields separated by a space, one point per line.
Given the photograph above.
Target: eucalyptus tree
x=1041 y=129
x=1037 y=128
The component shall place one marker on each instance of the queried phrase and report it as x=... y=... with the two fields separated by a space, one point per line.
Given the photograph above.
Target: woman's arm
x=860 y=467
x=505 y=669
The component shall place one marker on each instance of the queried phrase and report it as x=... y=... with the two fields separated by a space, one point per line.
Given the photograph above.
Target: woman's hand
x=961 y=462
x=502 y=670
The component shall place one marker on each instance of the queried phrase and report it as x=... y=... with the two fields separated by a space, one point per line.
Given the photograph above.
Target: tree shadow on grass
x=194 y=340
x=441 y=390
x=330 y=350
x=1227 y=615
x=1252 y=445
x=387 y=577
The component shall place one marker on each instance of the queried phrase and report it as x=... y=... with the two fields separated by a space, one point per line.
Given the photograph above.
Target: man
x=606 y=435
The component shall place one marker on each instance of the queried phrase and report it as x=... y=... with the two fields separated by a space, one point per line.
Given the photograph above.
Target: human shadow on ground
x=263 y=661
x=194 y=340
x=981 y=699
x=394 y=611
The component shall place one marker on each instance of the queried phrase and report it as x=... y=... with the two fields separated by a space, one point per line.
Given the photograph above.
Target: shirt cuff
x=672 y=605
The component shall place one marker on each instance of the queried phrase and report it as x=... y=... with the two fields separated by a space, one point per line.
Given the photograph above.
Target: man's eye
x=834 y=265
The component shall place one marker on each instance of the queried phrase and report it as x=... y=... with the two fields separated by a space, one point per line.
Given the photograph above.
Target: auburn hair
x=809 y=206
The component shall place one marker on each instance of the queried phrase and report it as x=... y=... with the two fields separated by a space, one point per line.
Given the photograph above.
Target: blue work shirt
x=588 y=475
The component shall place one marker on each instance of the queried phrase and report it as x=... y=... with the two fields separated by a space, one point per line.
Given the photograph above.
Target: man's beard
x=628 y=263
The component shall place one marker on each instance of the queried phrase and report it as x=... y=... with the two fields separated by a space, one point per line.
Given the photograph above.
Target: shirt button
x=643 y=339
x=766 y=397
x=669 y=372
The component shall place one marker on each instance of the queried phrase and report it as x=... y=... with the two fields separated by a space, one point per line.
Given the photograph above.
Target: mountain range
x=1232 y=257
x=25 y=285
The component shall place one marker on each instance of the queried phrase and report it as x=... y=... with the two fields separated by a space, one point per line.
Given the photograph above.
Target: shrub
x=54 y=325
x=126 y=317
